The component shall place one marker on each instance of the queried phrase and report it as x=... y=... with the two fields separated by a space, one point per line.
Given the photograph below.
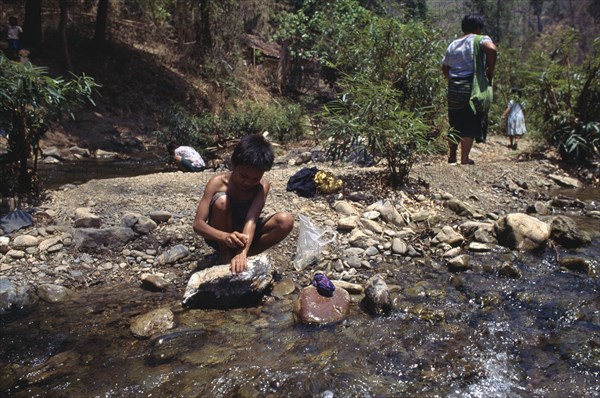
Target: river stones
x=312 y=308
x=92 y=238
x=217 y=287
x=522 y=232
x=54 y=293
x=14 y=297
x=377 y=296
x=566 y=232
x=153 y=322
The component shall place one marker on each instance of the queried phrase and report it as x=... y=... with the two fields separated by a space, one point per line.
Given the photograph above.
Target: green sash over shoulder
x=481 y=93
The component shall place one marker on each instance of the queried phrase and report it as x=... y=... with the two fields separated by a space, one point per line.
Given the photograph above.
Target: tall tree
x=62 y=26
x=32 y=26
x=101 y=18
x=537 y=6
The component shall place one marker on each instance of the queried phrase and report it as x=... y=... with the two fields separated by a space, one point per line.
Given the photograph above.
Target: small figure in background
x=186 y=157
x=14 y=44
x=515 y=119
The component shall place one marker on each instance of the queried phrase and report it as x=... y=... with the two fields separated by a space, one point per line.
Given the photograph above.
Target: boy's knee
x=285 y=222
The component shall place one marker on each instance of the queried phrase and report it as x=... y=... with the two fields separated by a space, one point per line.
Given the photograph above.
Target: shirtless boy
x=228 y=215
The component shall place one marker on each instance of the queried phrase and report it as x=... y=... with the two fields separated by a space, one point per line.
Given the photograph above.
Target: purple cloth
x=323 y=285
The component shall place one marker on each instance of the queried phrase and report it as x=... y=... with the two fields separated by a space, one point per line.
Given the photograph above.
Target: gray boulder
x=522 y=232
x=565 y=231
x=111 y=238
x=217 y=287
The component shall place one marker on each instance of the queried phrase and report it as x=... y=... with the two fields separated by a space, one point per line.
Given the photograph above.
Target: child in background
x=515 y=119
x=14 y=44
x=228 y=215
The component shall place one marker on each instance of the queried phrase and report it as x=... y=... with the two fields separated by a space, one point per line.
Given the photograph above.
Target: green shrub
x=369 y=116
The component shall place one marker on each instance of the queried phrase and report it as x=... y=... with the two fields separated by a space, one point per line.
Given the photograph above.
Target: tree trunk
x=101 y=18
x=64 y=13
x=203 y=34
x=32 y=25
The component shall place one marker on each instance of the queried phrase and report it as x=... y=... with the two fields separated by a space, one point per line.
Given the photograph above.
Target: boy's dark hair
x=255 y=151
x=13 y=20
x=171 y=146
x=472 y=22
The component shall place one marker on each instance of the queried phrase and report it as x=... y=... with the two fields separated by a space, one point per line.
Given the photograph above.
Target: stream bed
x=473 y=334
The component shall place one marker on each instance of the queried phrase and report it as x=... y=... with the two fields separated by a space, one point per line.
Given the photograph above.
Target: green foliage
x=29 y=101
x=370 y=115
x=568 y=96
x=284 y=122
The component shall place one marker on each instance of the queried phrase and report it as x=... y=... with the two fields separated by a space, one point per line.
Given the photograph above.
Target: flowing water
x=472 y=334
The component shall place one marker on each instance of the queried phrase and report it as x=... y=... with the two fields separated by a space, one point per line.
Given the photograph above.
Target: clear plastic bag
x=311 y=241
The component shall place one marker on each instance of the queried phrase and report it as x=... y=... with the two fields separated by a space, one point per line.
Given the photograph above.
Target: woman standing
x=458 y=67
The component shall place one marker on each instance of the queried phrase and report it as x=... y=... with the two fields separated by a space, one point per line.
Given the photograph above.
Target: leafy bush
x=568 y=95
x=29 y=101
x=370 y=116
x=284 y=122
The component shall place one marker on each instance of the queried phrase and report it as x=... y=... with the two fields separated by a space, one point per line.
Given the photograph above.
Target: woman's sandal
x=468 y=162
x=452 y=160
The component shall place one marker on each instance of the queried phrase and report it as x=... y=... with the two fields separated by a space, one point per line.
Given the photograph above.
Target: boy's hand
x=236 y=240
x=239 y=263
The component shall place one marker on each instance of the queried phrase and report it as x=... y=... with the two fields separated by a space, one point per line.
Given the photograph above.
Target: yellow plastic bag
x=327 y=182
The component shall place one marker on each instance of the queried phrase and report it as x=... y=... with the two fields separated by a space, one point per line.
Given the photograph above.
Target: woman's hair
x=255 y=151
x=472 y=22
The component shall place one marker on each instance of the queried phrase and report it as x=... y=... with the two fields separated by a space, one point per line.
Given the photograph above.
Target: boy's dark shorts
x=239 y=211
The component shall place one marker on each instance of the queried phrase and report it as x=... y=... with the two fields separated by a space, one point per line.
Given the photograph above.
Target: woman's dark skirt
x=463 y=121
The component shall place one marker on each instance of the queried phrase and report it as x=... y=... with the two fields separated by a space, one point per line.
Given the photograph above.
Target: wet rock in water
x=566 y=232
x=139 y=223
x=449 y=236
x=84 y=218
x=14 y=297
x=509 y=270
x=111 y=238
x=174 y=254
x=283 y=288
x=154 y=322
x=54 y=293
x=60 y=365
x=154 y=283
x=459 y=263
x=577 y=264
x=312 y=308
x=522 y=232
x=377 y=296
x=160 y=216
x=217 y=287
